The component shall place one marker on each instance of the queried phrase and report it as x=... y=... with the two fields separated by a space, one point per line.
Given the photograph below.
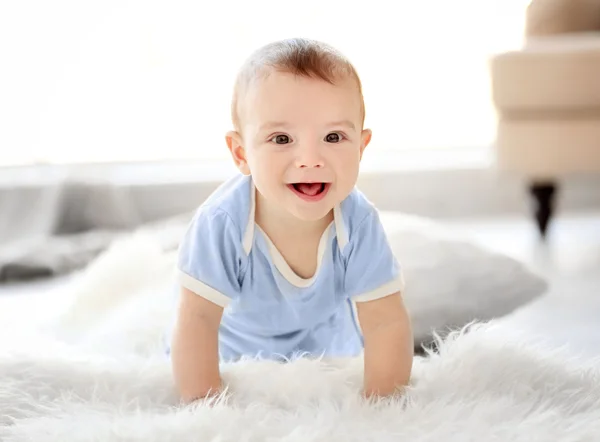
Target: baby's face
x=303 y=141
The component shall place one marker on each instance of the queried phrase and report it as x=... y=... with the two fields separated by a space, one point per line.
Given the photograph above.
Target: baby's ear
x=365 y=139
x=236 y=148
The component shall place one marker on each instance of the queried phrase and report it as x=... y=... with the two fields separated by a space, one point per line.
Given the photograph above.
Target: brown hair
x=298 y=56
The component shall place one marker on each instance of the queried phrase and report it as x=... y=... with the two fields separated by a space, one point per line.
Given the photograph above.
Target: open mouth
x=310 y=191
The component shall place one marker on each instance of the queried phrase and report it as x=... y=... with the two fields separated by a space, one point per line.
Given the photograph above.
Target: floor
x=570 y=258
x=569 y=314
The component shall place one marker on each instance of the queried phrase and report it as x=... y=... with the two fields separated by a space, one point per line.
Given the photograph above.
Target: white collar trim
x=249 y=233
x=248 y=240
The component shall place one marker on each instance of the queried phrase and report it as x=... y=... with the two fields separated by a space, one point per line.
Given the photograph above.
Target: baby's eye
x=334 y=137
x=280 y=139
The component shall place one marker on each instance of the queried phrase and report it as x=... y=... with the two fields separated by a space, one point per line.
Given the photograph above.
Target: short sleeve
x=210 y=257
x=372 y=270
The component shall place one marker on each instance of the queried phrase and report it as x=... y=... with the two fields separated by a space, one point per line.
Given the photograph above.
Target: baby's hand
x=212 y=395
x=371 y=394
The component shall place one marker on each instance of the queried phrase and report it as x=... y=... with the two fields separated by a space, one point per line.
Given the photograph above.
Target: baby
x=289 y=258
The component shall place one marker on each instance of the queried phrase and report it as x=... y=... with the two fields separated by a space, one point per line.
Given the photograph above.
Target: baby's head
x=298 y=114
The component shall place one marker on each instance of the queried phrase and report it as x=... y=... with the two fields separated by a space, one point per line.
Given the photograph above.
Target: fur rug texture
x=481 y=386
x=98 y=373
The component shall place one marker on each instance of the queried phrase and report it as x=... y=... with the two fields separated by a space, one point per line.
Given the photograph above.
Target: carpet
x=482 y=384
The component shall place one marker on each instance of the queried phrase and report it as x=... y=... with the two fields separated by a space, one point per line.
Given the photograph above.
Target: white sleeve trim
x=201 y=289
x=389 y=288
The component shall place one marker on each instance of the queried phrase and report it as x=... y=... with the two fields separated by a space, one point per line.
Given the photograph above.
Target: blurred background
x=116 y=81
x=485 y=116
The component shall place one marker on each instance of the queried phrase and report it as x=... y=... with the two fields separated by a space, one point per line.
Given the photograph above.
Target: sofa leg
x=543 y=194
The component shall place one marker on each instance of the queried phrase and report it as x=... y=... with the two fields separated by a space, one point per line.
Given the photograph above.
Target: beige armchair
x=547 y=96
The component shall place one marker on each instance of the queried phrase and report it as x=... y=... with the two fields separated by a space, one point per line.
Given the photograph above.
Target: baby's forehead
x=283 y=92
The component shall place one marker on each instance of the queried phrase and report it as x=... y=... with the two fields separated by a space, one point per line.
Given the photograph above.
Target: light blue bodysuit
x=269 y=311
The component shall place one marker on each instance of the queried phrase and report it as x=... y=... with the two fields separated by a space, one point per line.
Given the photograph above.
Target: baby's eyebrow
x=271 y=125
x=346 y=123
x=274 y=125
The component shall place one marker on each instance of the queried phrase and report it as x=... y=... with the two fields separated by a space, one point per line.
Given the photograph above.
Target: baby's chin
x=312 y=214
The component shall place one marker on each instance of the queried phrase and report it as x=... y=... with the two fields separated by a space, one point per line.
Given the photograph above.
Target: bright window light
x=120 y=81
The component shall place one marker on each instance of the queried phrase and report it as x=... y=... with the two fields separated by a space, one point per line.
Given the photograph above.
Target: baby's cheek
x=267 y=177
x=348 y=163
x=272 y=166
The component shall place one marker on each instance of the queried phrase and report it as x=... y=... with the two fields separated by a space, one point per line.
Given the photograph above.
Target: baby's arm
x=195 y=347
x=389 y=344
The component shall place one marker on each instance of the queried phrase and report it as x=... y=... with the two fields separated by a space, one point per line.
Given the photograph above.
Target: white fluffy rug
x=481 y=386
x=98 y=374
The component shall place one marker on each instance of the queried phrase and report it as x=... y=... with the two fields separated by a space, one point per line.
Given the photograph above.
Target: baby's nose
x=309 y=157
